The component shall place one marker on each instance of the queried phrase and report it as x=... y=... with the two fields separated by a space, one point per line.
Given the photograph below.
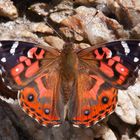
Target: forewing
x=20 y=62
x=116 y=62
x=34 y=72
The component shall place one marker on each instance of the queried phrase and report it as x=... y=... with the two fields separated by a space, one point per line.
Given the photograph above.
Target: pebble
x=7 y=9
x=125 y=108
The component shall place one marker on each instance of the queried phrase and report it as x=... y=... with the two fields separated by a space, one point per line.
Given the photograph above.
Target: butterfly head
x=68 y=46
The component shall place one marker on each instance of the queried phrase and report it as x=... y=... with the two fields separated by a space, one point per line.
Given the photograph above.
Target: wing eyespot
x=30 y=97
x=86 y=112
x=105 y=100
x=46 y=111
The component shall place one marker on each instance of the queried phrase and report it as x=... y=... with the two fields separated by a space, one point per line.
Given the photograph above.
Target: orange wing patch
x=39 y=100
x=95 y=100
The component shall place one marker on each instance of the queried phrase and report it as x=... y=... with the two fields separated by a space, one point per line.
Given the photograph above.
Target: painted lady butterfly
x=78 y=85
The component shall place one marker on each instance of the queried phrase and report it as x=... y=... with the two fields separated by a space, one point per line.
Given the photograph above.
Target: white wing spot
x=109 y=55
x=9 y=87
x=136 y=59
x=122 y=69
x=19 y=93
x=9 y=100
x=3 y=70
x=74 y=125
x=2 y=79
x=0 y=44
x=13 y=48
x=126 y=47
x=3 y=60
x=29 y=54
x=36 y=120
x=0 y=72
x=139 y=44
x=17 y=69
x=44 y=125
x=57 y=125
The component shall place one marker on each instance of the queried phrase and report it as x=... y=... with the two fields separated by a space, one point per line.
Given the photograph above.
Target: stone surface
x=59 y=16
x=138 y=133
x=127 y=11
x=135 y=32
x=40 y=8
x=125 y=108
x=7 y=9
x=55 y=42
x=109 y=135
x=94 y=26
x=41 y=28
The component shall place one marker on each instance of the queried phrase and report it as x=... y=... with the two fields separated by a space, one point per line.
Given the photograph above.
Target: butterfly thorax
x=69 y=68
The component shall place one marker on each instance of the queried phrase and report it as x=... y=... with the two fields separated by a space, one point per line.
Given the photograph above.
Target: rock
x=55 y=42
x=9 y=126
x=71 y=34
x=83 y=12
x=104 y=8
x=41 y=28
x=125 y=109
x=126 y=11
x=126 y=137
x=135 y=88
x=135 y=32
x=59 y=16
x=43 y=9
x=40 y=8
x=109 y=135
x=136 y=102
x=138 y=133
x=102 y=131
x=93 y=25
x=88 y=2
x=7 y=9
x=64 y=5
x=73 y=28
x=62 y=11
x=84 y=45
x=16 y=30
x=79 y=134
x=97 y=30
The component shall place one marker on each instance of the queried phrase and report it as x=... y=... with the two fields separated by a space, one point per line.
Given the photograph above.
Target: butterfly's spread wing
x=102 y=71
x=34 y=72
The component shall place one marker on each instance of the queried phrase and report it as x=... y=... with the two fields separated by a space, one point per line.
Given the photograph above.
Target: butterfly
x=78 y=85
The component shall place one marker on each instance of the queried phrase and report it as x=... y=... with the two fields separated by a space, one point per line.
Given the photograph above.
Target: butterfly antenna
x=73 y=31
x=53 y=28
x=86 y=24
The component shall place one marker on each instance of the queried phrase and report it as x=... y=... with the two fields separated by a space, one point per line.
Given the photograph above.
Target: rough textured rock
x=85 y=23
x=7 y=9
x=40 y=8
x=138 y=133
x=126 y=11
x=135 y=32
x=125 y=109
